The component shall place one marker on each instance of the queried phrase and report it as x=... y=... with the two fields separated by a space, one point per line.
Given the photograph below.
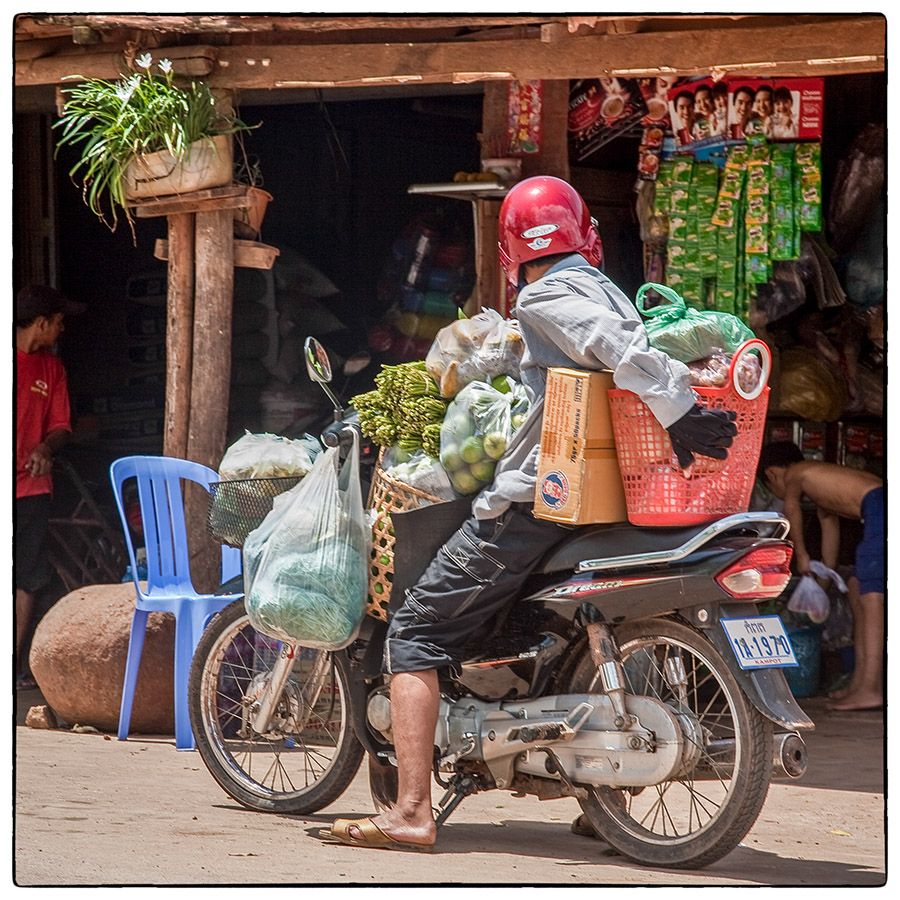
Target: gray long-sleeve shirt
x=575 y=317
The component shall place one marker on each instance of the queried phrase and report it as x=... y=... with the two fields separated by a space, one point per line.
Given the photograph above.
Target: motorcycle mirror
x=356 y=363
x=318 y=365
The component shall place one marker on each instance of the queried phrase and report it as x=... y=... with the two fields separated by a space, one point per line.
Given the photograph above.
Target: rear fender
x=767 y=689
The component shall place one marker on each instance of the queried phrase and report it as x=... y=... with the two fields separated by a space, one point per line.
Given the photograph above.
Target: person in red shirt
x=42 y=427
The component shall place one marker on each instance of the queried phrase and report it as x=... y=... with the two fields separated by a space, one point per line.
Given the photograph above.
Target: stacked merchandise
x=726 y=228
x=428 y=277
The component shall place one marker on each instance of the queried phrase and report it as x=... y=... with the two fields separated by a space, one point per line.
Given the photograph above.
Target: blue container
x=804 y=678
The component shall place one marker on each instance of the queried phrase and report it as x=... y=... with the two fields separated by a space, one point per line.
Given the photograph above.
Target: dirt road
x=93 y=811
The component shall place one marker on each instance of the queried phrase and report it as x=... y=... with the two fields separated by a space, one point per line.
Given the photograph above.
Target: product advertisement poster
x=699 y=112
x=601 y=109
x=781 y=109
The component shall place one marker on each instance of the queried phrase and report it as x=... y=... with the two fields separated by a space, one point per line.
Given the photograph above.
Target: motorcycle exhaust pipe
x=789 y=758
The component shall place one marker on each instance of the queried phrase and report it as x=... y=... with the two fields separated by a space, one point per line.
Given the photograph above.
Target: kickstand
x=460 y=788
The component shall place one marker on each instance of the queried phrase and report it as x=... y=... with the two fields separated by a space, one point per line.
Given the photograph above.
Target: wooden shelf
x=232 y=196
x=247 y=254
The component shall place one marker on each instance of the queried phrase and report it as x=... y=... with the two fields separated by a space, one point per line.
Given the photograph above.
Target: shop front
x=387 y=145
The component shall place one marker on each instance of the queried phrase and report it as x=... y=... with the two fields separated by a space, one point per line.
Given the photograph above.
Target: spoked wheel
x=307 y=757
x=698 y=818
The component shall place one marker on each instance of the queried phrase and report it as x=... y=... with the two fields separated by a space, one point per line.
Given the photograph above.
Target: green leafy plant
x=115 y=122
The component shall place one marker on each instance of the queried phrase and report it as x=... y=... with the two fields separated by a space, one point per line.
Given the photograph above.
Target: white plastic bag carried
x=306 y=566
x=809 y=597
x=420 y=471
x=479 y=348
x=268 y=456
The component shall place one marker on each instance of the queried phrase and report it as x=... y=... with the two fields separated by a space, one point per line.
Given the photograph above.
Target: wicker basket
x=238 y=507
x=387 y=496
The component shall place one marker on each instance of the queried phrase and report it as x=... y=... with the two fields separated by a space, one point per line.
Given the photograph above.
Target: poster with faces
x=698 y=111
x=781 y=109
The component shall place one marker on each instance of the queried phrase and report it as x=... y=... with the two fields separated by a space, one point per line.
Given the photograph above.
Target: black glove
x=708 y=432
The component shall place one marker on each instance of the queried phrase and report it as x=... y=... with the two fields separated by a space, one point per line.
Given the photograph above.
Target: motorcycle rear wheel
x=683 y=823
x=282 y=771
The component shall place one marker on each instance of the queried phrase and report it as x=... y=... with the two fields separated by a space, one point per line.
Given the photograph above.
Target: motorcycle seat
x=613 y=541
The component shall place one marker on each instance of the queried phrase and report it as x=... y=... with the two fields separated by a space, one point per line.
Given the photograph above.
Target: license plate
x=760 y=642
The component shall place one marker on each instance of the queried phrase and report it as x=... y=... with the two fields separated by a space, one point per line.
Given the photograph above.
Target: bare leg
x=866 y=687
x=856 y=611
x=414 y=707
x=24 y=603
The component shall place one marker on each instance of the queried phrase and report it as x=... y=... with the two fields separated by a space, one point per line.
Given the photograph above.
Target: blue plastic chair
x=169 y=587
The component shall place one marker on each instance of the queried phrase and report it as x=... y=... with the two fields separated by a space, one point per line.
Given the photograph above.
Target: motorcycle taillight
x=761 y=573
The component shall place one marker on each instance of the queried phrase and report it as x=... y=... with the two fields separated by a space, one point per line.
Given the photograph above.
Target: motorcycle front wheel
x=694 y=820
x=289 y=769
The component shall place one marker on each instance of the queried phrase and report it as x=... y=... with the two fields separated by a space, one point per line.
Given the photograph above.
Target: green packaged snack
x=726 y=270
x=728 y=243
x=709 y=261
x=706 y=207
x=706 y=178
x=757 y=240
x=757 y=180
x=732 y=183
x=738 y=156
x=757 y=211
x=680 y=204
x=708 y=235
x=679 y=228
x=759 y=268
x=676 y=254
x=782 y=167
x=682 y=170
x=781 y=243
x=726 y=214
x=725 y=297
x=674 y=278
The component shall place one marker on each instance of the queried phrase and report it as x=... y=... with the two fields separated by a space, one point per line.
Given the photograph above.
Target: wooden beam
x=260 y=24
x=834 y=46
x=179 y=335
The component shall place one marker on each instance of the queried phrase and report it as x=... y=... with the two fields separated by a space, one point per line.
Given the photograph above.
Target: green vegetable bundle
x=404 y=410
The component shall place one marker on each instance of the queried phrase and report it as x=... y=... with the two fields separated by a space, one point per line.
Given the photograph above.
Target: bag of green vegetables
x=306 y=566
x=477 y=429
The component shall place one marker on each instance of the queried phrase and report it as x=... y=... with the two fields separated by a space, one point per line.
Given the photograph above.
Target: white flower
x=165 y=65
x=144 y=61
x=126 y=89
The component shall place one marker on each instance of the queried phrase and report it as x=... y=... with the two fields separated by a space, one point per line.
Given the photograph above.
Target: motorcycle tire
x=282 y=771
x=684 y=823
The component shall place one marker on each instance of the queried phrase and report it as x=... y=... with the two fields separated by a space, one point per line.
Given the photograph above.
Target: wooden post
x=179 y=334
x=210 y=375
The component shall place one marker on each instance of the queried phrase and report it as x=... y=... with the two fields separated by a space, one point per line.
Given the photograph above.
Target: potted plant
x=144 y=135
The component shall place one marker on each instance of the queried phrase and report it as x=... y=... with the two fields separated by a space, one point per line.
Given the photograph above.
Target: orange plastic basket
x=657 y=491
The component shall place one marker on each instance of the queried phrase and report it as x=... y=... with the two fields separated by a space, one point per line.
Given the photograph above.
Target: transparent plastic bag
x=473 y=349
x=714 y=371
x=420 y=471
x=268 y=456
x=306 y=566
x=476 y=431
x=809 y=598
x=688 y=334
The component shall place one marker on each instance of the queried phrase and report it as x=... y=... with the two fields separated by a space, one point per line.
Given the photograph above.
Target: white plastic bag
x=809 y=597
x=306 y=566
x=420 y=471
x=268 y=456
x=479 y=348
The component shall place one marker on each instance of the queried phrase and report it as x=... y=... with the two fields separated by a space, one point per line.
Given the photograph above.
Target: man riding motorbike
x=570 y=315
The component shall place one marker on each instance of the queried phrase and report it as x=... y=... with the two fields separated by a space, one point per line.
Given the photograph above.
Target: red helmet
x=544 y=215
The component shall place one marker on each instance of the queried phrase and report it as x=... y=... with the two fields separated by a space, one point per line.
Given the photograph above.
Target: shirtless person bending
x=852 y=494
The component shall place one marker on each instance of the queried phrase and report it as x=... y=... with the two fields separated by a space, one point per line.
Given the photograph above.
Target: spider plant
x=115 y=122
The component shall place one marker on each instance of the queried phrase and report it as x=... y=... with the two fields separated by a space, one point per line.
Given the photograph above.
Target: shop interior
x=346 y=229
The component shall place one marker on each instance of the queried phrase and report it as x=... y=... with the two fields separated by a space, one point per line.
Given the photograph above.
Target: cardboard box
x=578 y=480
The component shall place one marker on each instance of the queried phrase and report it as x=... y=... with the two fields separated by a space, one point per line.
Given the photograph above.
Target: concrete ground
x=90 y=810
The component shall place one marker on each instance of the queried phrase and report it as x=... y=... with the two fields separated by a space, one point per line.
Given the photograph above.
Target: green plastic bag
x=688 y=334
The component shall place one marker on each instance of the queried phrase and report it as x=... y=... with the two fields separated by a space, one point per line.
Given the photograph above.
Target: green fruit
x=472 y=450
x=501 y=383
x=483 y=471
x=495 y=444
x=452 y=461
x=463 y=482
x=518 y=420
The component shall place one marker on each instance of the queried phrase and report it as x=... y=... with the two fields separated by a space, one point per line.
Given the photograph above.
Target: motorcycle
x=633 y=673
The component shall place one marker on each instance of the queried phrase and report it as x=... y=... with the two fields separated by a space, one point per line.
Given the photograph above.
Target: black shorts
x=32 y=571
x=474 y=575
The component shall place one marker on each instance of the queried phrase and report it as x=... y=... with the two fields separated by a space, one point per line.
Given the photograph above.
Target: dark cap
x=41 y=300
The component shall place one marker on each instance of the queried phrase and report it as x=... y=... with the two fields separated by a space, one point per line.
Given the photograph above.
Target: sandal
x=370 y=836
